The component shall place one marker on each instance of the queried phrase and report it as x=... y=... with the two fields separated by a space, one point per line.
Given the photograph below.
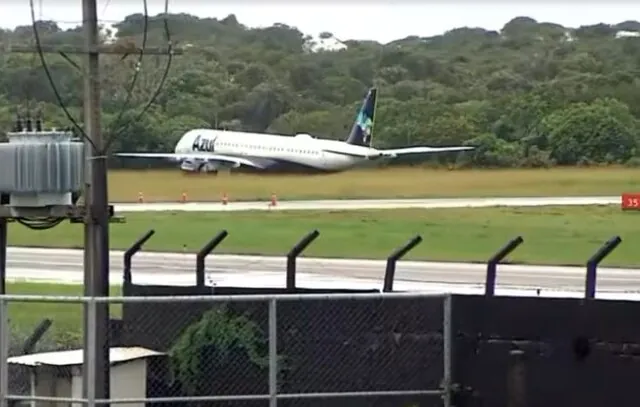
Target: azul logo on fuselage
x=204 y=144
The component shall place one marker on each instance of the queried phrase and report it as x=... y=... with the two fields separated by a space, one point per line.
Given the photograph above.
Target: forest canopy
x=532 y=94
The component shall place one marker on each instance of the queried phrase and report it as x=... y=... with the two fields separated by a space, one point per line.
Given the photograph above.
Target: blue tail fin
x=362 y=130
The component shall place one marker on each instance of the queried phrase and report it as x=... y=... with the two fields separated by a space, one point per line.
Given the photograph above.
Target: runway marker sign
x=631 y=201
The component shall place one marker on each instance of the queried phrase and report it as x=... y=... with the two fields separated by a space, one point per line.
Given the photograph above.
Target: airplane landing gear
x=204 y=169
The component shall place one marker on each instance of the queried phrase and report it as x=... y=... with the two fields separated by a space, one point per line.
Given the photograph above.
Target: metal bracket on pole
x=131 y=251
x=204 y=252
x=293 y=255
x=592 y=265
x=492 y=264
x=392 y=260
x=30 y=343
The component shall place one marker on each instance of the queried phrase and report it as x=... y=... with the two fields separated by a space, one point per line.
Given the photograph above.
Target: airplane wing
x=199 y=156
x=421 y=150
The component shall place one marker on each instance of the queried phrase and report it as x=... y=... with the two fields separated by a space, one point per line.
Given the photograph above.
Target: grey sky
x=381 y=21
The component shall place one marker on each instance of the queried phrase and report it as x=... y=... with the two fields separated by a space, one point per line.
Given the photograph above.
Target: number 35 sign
x=631 y=202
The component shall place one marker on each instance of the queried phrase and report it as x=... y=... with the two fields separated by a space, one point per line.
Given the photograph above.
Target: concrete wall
x=577 y=352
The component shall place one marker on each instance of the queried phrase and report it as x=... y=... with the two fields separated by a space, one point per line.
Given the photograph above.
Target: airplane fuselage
x=206 y=150
x=300 y=153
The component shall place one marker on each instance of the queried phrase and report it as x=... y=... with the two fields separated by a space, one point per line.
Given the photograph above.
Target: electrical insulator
x=29 y=126
x=18 y=124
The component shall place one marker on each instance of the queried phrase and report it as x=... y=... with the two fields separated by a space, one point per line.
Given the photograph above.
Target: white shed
x=59 y=374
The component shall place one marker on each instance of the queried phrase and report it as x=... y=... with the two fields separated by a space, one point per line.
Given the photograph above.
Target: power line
x=119 y=128
x=40 y=223
x=170 y=53
x=132 y=84
x=45 y=66
x=106 y=5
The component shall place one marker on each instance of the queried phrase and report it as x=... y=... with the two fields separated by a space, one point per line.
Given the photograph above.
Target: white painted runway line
x=365 y=204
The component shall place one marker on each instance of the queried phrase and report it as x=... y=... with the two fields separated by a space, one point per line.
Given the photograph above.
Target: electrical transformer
x=40 y=168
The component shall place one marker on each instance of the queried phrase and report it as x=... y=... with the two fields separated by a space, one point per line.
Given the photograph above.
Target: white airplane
x=207 y=150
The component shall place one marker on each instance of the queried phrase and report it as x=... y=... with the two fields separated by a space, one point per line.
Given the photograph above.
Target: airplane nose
x=183 y=144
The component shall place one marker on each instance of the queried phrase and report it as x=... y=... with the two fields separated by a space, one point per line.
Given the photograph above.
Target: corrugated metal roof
x=75 y=357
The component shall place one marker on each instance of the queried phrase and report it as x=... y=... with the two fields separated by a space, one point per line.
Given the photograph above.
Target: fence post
x=516 y=379
x=293 y=255
x=89 y=368
x=273 y=353
x=492 y=264
x=399 y=253
x=592 y=265
x=204 y=252
x=132 y=250
x=447 y=339
x=3 y=256
x=4 y=351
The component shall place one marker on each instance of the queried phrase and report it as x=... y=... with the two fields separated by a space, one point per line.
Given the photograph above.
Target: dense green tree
x=532 y=94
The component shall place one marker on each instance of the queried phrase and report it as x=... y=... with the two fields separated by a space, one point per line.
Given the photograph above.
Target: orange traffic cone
x=183 y=198
x=140 y=197
x=225 y=199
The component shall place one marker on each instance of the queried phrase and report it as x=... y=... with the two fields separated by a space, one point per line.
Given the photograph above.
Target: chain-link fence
x=242 y=350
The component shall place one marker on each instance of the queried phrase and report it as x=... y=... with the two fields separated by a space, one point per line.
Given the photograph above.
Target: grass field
x=168 y=185
x=553 y=235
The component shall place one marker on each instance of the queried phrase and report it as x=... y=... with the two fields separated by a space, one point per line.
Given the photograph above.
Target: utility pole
x=97 y=214
x=96 y=227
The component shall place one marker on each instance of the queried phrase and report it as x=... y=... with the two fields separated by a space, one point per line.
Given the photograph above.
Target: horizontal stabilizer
x=423 y=150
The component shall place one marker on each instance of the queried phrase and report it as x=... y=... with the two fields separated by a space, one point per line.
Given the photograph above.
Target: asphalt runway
x=365 y=204
x=65 y=266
